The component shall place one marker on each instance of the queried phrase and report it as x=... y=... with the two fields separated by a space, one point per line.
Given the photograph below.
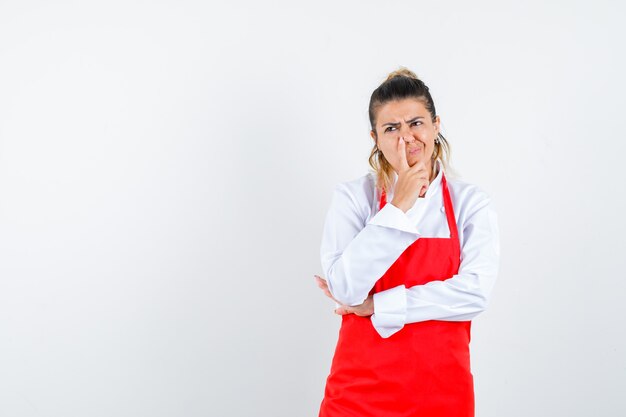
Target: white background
x=165 y=170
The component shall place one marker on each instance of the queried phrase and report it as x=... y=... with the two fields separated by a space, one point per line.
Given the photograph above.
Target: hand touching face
x=409 y=119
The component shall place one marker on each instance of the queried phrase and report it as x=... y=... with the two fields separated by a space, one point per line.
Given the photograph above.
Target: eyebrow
x=408 y=121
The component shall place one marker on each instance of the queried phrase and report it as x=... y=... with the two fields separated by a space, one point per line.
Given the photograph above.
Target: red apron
x=423 y=369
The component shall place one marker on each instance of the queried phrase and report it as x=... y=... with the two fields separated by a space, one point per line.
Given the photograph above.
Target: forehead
x=398 y=110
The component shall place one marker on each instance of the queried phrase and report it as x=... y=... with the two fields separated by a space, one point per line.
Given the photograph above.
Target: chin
x=415 y=161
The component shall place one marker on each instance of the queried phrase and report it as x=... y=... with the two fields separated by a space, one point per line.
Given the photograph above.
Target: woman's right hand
x=412 y=181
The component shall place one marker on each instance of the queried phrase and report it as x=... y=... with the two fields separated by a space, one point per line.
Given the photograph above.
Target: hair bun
x=402 y=72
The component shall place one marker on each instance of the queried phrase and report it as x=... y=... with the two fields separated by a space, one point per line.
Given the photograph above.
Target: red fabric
x=423 y=369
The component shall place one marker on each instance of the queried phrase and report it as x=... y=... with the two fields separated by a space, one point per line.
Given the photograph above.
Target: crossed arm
x=356 y=254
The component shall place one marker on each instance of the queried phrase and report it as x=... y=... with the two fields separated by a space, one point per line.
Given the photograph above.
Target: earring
x=437 y=140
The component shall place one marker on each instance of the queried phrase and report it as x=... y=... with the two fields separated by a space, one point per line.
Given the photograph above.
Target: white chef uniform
x=360 y=242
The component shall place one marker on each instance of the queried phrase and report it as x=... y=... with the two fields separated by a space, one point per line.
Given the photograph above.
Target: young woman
x=410 y=255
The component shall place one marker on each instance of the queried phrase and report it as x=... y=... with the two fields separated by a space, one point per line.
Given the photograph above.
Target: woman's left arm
x=458 y=298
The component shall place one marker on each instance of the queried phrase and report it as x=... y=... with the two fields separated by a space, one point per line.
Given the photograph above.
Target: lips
x=414 y=151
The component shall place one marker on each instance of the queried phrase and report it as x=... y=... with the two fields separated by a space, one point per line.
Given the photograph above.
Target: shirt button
x=443 y=209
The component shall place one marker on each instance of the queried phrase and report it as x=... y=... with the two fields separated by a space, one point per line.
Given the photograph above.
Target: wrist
x=400 y=205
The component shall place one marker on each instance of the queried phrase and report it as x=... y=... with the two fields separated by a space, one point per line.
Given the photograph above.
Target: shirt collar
x=434 y=185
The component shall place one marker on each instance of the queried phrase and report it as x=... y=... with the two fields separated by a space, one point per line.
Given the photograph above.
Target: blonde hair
x=401 y=84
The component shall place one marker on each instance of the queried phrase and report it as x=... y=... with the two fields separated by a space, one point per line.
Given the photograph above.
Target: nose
x=406 y=134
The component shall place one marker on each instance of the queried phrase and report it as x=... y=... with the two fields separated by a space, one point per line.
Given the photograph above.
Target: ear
x=373 y=135
x=437 y=124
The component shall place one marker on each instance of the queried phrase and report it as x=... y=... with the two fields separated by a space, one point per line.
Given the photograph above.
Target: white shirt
x=360 y=242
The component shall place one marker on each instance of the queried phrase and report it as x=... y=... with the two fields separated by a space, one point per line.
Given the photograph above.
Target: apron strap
x=447 y=202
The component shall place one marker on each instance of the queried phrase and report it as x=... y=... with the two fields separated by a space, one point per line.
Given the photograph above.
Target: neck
x=433 y=170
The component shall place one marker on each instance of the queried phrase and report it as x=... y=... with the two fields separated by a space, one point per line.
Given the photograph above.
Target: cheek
x=389 y=151
x=387 y=145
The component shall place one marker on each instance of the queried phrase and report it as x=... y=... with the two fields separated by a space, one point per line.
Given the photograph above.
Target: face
x=407 y=118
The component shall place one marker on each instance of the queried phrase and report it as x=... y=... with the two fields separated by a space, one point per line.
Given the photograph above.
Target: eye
x=387 y=130
x=417 y=121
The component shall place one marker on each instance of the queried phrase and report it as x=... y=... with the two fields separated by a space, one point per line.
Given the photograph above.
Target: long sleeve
x=355 y=252
x=459 y=298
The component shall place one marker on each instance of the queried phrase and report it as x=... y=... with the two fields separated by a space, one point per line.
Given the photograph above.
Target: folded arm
x=458 y=298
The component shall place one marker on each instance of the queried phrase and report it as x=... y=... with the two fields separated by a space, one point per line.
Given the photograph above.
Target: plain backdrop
x=166 y=166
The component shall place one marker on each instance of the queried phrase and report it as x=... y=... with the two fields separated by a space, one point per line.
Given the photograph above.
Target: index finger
x=401 y=147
